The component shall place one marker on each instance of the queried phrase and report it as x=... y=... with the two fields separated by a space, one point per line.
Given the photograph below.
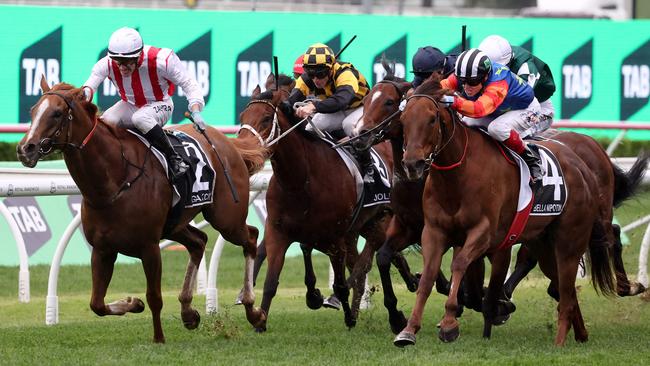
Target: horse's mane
x=431 y=86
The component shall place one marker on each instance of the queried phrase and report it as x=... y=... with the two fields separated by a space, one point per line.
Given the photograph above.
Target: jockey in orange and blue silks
x=492 y=96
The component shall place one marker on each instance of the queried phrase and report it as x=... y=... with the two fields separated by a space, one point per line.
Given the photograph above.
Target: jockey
x=297 y=67
x=339 y=89
x=492 y=96
x=145 y=77
x=533 y=70
x=429 y=59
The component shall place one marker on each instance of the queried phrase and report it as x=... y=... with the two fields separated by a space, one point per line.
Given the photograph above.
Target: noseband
x=438 y=148
x=269 y=141
x=47 y=141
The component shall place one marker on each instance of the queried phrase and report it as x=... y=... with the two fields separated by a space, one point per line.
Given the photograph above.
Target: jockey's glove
x=447 y=100
x=199 y=122
x=402 y=105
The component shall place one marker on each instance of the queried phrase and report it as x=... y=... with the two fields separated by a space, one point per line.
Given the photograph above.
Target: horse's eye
x=57 y=114
x=390 y=102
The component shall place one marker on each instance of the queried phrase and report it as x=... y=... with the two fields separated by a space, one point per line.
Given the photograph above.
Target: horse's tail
x=253 y=154
x=602 y=272
x=626 y=184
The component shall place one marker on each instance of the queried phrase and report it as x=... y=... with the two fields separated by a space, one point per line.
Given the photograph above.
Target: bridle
x=46 y=145
x=439 y=147
x=275 y=128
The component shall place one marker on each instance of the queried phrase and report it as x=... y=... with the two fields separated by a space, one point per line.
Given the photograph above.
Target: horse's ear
x=44 y=86
x=256 y=91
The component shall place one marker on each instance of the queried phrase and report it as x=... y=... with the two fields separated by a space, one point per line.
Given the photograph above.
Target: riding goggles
x=124 y=60
x=317 y=73
x=470 y=82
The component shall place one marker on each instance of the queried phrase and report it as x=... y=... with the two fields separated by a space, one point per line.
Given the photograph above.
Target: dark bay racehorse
x=472 y=207
x=311 y=199
x=127 y=197
x=381 y=121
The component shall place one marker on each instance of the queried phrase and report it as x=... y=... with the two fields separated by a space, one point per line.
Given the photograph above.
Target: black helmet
x=472 y=65
x=428 y=59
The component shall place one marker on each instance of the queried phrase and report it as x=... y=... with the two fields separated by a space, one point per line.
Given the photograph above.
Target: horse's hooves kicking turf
x=404 y=339
x=315 y=300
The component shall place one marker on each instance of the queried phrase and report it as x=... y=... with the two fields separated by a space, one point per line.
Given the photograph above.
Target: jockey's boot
x=365 y=161
x=156 y=136
x=534 y=164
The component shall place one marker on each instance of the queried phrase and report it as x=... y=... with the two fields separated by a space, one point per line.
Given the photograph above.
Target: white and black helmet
x=497 y=48
x=125 y=42
x=472 y=64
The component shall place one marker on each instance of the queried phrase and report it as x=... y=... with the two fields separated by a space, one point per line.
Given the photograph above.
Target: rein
x=48 y=140
x=270 y=141
x=438 y=150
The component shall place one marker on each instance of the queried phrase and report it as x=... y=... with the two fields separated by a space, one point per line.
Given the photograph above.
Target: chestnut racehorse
x=127 y=197
x=381 y=121
x=472 y=207
x=311 y=199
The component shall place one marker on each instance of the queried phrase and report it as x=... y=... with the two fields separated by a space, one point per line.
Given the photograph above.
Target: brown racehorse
x=311 y=199
x=381 y=121
x=127 y=196
x=472 y=207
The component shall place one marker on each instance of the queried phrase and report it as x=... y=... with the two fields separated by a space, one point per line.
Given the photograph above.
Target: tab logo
x=40 y=58
x=252 y=69
x=396 y=56
x=635 y=81
x=74 y=204
x=577 y=80
x=196 y=58
x=30 y=220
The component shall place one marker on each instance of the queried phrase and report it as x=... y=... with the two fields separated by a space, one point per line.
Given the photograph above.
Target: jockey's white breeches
x=346 y=120
x=522 y=121
x=126 y=115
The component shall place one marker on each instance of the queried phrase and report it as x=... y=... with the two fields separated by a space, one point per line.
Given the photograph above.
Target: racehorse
x=127 y=197
x=381 y=121
x=472 y=207
x=311 y=199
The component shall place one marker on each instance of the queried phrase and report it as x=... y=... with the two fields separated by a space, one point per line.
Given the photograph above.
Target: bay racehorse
x=127 y=197
x=472 y=207
x=311 y=199
x=381 y=121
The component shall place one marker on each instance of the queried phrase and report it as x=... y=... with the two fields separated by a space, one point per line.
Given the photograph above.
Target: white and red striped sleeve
x=177 y=74
x=99 y=72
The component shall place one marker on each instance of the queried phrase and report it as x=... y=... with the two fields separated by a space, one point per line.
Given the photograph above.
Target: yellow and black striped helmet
x=318 y=55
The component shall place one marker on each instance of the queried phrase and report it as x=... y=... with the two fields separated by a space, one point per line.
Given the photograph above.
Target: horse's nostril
x=29 y=148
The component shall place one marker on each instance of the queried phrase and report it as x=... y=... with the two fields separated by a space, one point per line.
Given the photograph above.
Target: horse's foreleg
x=102 y=271
x=526 y=261
x=194 y=241
x=314 y=298
x=395 y=240
x=500 y=261
x=433 y=247
x=276 y=247
x=152 y=265
x=341 y=290
x=255 y=316
x=475 y=245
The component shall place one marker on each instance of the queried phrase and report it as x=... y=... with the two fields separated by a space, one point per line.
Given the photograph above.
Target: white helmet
x=125 y=42
x=497 y=48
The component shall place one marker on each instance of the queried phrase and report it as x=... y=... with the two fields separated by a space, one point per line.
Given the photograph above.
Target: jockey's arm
x=299 y=92
x=493 y=95
x=347 y=85
x=178 y=75
x=98 y=74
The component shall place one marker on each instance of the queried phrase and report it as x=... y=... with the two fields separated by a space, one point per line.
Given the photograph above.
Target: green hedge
x=625 y=148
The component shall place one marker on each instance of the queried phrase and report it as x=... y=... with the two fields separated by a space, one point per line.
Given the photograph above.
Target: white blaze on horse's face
x=37 y=118
x=360 y=123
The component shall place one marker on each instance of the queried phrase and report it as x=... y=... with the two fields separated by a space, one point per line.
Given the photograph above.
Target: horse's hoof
x=635 y=289
x=240 y=297
x=404 y=339
x=137 y=305
x=315 y=300
x=332 y=302
x=350 y=322
x=397 y=322
x=449 y=335
x=260 y=329
x=191 y=319
x=504 y=309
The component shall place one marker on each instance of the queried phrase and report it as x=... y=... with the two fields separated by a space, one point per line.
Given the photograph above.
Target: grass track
x=619 y=329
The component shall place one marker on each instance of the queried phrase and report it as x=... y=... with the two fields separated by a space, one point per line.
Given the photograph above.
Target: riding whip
x=233 y=190
x=344 y=47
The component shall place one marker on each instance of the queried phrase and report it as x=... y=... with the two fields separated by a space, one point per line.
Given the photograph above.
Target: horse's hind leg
x=623 y=285
x=152 y=265
x=526 y=261
x=194 y=240
x=254 y=315
x=102 y=271
x=340 y=287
